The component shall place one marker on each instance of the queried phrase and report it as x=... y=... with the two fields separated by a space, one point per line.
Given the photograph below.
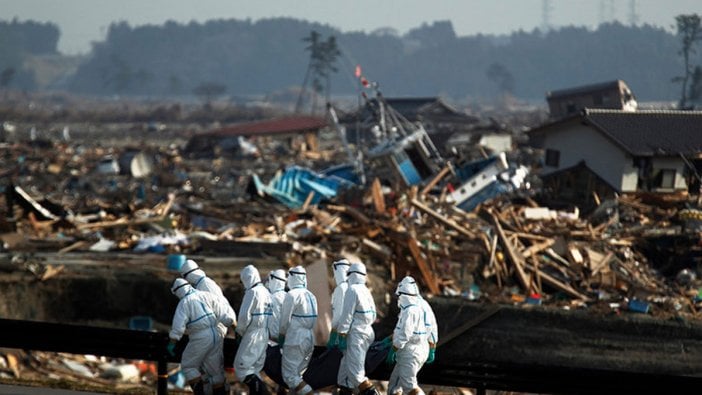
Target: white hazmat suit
x=297 y=319
x=197 y=315
x=355 y=329
x=429 y=316
x=340 y=268
x=409 y=341
x=199 y=280
x=276 y=286
x=254 y=313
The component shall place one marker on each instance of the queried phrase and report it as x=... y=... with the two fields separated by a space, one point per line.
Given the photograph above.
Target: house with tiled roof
x=603 y=151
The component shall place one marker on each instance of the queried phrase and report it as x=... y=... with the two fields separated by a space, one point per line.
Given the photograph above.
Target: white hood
x=357 y=274
x=276 y=280
x=181 y=288
x=297 y=277
x=406 y=294
x=249 y=276
x=191 y=271
x=340 y=268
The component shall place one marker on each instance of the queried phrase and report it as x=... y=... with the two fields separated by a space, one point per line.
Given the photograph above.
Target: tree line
x=243 y=58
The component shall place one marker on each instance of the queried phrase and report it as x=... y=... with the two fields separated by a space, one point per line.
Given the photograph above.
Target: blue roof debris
x=293 y=186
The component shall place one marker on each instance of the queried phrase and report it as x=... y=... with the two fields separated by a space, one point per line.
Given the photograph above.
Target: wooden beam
x=513 y=255
x=436 y=179
x=444 y=220
x=378 y=198
x=427 y=274
x=553 y=282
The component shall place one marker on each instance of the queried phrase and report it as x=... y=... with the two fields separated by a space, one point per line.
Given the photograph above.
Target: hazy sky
x=84 y=21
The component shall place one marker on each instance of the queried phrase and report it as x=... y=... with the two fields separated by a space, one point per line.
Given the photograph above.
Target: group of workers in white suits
x=271 y=315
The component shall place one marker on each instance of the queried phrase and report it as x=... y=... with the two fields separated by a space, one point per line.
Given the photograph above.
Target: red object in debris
x=450 y=188
x=364 y=82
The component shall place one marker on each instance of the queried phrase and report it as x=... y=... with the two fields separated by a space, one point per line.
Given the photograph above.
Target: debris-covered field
x=88 y=200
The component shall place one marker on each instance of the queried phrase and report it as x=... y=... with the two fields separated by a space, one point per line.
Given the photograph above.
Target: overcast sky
x=84 y=21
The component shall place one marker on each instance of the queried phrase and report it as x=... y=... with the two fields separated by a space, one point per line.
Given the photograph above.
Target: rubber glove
x=392 y=356
x=432 y=354
x=386 y=342
x=171 y=348
x=281 y=340
x=333 y=340
x=342 y=341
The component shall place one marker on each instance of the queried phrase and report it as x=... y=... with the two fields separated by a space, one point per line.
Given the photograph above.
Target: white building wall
x=672 y=163
x=577 y=142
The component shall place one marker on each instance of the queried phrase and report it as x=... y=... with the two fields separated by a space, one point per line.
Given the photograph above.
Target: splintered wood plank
x=513 y=255
x=424 y=268
x=378 y=198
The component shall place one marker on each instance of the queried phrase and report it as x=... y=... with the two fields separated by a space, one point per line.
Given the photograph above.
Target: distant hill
x=257 y=58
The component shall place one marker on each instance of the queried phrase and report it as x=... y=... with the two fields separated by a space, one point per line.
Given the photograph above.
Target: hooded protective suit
x=197 y=315
x=297 y=319
x=355 y=323
x=199 y=280
x=409 y=340
x=254 y=314
x=276 y=286
x=340 y=268
x=429 y=317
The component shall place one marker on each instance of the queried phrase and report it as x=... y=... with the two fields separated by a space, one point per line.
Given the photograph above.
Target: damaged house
x=614 y=95
x=598 y=152
x=293 y=133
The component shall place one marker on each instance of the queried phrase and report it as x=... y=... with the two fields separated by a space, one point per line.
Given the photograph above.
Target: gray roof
x=585 y=89
x=650 y=133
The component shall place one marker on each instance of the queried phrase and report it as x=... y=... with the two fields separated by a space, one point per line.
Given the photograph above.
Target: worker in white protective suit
x=276 y=286
x=254 y=313
x=297 y=319
x=410 y=347
x=429 y=320
x=197 y=315
x=356 y=333
x=340 y=268
x=199 y=280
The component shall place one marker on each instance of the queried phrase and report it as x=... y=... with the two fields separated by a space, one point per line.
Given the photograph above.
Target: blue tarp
x=293 y=186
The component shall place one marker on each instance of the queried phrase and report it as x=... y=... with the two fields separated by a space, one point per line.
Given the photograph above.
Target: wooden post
x=512 y=254
x=436 y=179
x=429 y=278
x=378 y=198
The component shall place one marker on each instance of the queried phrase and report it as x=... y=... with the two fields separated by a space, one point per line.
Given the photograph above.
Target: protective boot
x=198 y=387
x=256 y=385
x=345 y=390
x=367 y=388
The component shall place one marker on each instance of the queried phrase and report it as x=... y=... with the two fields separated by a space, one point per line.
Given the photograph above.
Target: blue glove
x=392 y=356
x=333 y=340
x=432 y=355
x=342 y=342
x=386 y=342
x=281 y=340
x=171 y=348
